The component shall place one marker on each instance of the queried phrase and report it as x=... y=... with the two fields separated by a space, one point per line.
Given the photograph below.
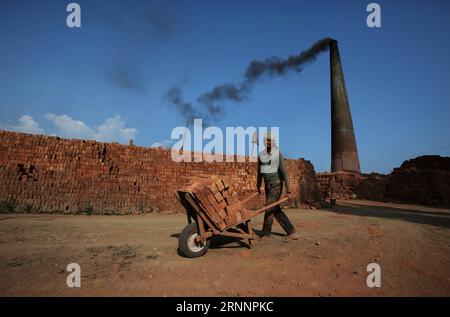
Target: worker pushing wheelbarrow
x=213 y=210
x=217 y=211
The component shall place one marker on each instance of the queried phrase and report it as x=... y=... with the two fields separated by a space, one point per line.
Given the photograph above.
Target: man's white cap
x=269 y=136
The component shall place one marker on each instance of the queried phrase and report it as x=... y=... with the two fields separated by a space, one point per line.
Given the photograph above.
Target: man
x=271 y=169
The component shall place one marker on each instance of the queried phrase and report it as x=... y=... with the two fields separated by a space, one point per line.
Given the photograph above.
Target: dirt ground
x=137 y=255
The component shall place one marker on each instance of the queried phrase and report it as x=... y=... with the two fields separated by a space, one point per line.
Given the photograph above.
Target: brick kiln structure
x=49 y=174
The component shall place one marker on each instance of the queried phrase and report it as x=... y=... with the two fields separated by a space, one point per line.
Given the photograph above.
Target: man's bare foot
x=265 y=238
x=292 y=236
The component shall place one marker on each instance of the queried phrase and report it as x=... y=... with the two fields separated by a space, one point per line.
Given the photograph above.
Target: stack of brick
x=423 y=180
x=220 y=203
x=324 y=181
x=339 y=185
x=345 y=185
x=372 y=187
x=50 y=174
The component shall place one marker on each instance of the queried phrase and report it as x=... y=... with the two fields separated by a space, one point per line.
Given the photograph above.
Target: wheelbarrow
x=206 y=218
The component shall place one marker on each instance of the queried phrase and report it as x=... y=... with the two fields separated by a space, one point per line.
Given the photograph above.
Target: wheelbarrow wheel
x=188 y=247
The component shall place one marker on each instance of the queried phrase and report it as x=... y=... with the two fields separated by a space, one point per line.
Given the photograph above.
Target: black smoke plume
x=211 y=102
x=174 y=96
x=145 y=23
x=127 y=77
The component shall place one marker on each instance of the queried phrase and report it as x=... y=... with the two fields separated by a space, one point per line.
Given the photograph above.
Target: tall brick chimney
x=344 y=154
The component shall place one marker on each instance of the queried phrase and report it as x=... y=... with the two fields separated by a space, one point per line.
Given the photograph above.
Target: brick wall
x=346 y=185
x=49 y=174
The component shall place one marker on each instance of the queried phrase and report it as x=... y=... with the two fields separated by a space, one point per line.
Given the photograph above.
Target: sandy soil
x=137 y=255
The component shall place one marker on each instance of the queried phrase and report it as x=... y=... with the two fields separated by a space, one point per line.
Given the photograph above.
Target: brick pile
x=345 y=185
x=50 y=174
x=423 y=180
x=217 y=199
x=339 y=185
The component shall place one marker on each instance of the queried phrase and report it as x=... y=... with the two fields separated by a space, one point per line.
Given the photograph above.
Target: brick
x=117 y=179
x=218 y=197
x=219 y=185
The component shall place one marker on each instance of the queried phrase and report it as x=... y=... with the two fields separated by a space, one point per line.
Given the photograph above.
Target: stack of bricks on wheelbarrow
x=218 y=201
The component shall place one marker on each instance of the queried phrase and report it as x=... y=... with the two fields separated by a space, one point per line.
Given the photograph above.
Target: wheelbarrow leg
x=201 y=229
x=189 y=218
x=250 y=231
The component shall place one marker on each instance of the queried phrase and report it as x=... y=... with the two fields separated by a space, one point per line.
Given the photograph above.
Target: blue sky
x=107 y=79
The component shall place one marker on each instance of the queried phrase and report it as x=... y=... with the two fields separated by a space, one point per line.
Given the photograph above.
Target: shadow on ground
x=218 y=242
x=439 y=219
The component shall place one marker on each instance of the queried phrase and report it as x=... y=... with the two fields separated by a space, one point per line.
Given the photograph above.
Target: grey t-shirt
x=271 y=175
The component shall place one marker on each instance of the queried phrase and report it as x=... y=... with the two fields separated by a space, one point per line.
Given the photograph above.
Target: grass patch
x=6 y=207
x=124 y=251
x=152 y=257
x=88 y=210
x=117 y=252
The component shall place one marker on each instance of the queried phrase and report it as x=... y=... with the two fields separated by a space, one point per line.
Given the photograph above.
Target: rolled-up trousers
x=273 y=193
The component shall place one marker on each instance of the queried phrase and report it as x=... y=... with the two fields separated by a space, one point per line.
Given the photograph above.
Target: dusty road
x=136 y=255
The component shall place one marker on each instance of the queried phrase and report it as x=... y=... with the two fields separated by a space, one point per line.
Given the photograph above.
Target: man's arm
x=283 y=174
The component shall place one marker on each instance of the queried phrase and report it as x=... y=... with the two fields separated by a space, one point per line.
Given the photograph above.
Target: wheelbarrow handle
x=278 y=202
